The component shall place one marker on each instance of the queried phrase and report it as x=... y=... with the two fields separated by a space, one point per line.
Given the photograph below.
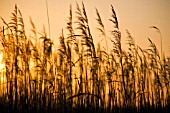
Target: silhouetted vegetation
x=80 y=76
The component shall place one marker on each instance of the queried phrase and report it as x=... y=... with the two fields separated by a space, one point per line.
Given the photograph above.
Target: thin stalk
x=48 y=18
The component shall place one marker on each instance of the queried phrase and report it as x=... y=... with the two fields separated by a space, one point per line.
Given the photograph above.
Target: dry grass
x=79 y=77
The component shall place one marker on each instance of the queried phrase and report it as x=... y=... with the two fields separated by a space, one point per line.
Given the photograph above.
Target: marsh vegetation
x=80 y=76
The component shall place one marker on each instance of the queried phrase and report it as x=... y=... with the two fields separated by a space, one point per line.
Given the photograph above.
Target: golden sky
x=135 y=15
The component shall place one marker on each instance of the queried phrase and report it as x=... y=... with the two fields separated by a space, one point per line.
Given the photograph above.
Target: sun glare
x=1 y=63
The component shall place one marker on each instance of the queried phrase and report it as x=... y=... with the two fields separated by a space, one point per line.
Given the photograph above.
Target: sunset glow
x=136 y=16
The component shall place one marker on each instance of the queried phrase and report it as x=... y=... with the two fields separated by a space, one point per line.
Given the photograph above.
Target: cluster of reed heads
x=80 y=76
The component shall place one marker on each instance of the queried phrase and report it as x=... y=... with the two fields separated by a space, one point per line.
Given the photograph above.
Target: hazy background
x=135 y=15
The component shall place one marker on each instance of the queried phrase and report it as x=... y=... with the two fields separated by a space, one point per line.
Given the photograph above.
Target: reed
x=80 y=76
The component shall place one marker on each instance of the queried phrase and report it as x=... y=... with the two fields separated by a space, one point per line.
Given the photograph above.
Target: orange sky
x=134 y=15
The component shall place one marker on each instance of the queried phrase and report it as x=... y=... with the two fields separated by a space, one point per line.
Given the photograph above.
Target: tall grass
x=79 y=76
